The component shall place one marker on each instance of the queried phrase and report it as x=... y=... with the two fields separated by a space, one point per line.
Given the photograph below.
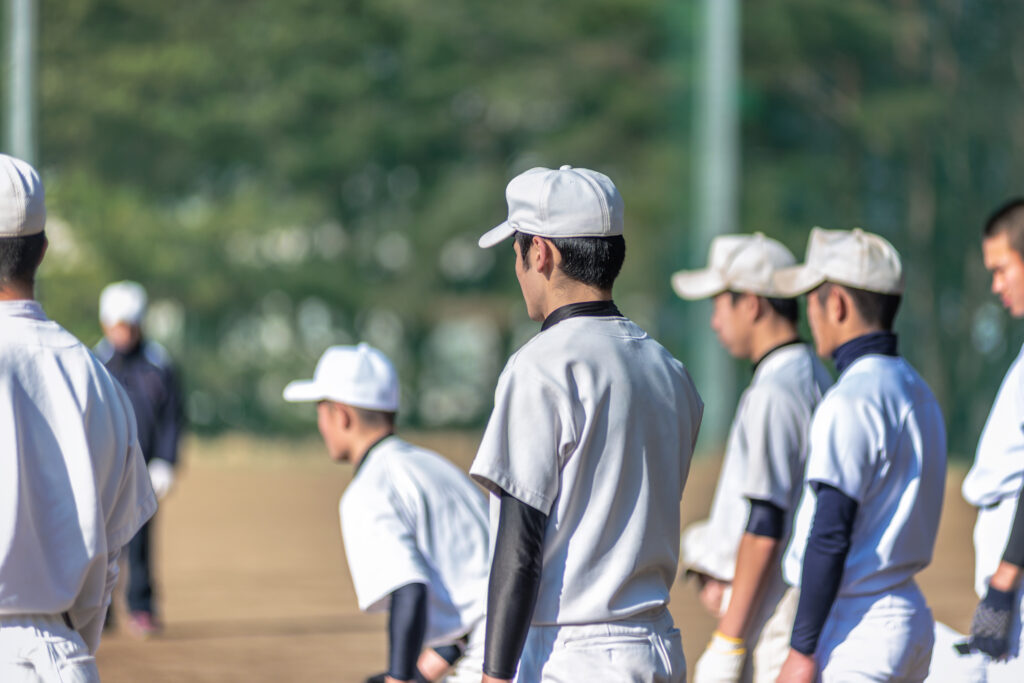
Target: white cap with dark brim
x=853 y=258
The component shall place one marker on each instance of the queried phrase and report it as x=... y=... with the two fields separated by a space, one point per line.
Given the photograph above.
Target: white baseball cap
x=122 y=302
x=854 y=258
x=736 y=263
x=569 y=202
x=22 y=200
x=359 y=376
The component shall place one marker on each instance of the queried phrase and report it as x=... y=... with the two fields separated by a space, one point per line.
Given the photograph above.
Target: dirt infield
x=255 y=585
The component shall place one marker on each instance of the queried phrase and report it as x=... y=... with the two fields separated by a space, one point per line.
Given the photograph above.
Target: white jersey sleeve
x=532 y=418
x=380 y=545
x=845 y=447
x=773 y=423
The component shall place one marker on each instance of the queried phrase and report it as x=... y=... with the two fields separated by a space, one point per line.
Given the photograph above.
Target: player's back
x=67 y=435
x=628 y=418
x=410 y=508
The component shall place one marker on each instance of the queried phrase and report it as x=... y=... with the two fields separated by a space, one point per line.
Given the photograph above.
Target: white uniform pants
x=949 y=666
x=642 y=649
x=470 y=666
x=881 y=637
x=43 y=649
x=772 y=646
x=991 y=532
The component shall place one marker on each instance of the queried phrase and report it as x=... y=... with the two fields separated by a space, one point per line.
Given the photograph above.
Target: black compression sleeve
x=824 y=559
x=765 y=519
x=1014 y=553
x=514 y=582
x=407 y=624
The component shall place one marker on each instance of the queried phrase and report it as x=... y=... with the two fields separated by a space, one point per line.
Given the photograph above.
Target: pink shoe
x=142 y=625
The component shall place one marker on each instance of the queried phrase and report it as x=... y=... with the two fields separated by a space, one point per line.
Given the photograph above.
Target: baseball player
x=73 y=484
x=740 y=546
x=413 y=524
x=993 y=483
x=144 y=369
x=875 y=476
x=586 y=454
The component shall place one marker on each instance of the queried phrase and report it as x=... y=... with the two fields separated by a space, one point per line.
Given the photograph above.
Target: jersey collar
x=581 y=309
x=366 y=456
x=772 y=350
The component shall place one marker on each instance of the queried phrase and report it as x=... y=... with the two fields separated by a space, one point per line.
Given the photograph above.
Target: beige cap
x=569 y=202
x=854 y=258
x=359 y=376
x=736 y=263
x=22 y=201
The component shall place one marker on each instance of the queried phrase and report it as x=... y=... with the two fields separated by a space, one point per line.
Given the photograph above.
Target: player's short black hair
x=1009 y=219
x=374 y=418
x=594 y=261
x=875 y=308
x=19 y=258
x=787 y=308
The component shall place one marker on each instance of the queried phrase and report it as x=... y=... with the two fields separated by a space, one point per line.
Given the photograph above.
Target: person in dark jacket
x=145 y=370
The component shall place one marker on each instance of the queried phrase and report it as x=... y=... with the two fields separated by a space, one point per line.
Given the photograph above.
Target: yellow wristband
x=728 y=639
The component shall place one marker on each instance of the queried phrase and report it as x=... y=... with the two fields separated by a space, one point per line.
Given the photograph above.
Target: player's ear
x=544 y=254
x=839 y=304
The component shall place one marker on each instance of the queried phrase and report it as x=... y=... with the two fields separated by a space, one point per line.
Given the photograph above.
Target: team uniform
x=594 y=425
x=410 y=516
x=878 y=438
x=149 y=378
x=73 y=490
x=764 y=461
x=993 y=485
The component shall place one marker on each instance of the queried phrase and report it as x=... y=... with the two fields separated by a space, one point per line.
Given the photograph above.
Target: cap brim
x=496 y=235
x=303 y=390
x=796 y=280
x=698 y=284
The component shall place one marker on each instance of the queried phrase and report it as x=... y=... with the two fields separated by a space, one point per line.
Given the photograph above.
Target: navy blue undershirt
x=879 y=343
x=829 y=541
x=407 y=626
x=765 y=519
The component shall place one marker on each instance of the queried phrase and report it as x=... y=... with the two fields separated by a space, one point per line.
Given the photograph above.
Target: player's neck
x=568 y=291
x=16 y=291
x=770 y=334
x=366 y=440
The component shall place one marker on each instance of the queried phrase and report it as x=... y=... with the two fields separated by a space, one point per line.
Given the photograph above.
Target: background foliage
x=283 y=176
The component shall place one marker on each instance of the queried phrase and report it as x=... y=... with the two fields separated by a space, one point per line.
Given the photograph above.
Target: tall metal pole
x=717 y=191
x=20 y=135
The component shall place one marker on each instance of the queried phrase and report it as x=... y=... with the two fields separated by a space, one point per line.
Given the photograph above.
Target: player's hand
x=990 y=628
x=711 y=593
x=722 y=661
x=798 y=668
x=161 y=476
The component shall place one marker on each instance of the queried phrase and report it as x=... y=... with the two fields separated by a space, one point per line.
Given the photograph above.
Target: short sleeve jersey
x=594 y=425
x=765 y=453
x=73 y=483
x=410 y=516
x=998 y=468
x=877 y=436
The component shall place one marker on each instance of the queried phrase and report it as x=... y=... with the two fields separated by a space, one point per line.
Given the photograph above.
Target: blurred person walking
x=73 y=486
x=144 y=369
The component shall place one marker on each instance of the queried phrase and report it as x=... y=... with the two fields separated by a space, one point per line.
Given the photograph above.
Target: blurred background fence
x=287 y=175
